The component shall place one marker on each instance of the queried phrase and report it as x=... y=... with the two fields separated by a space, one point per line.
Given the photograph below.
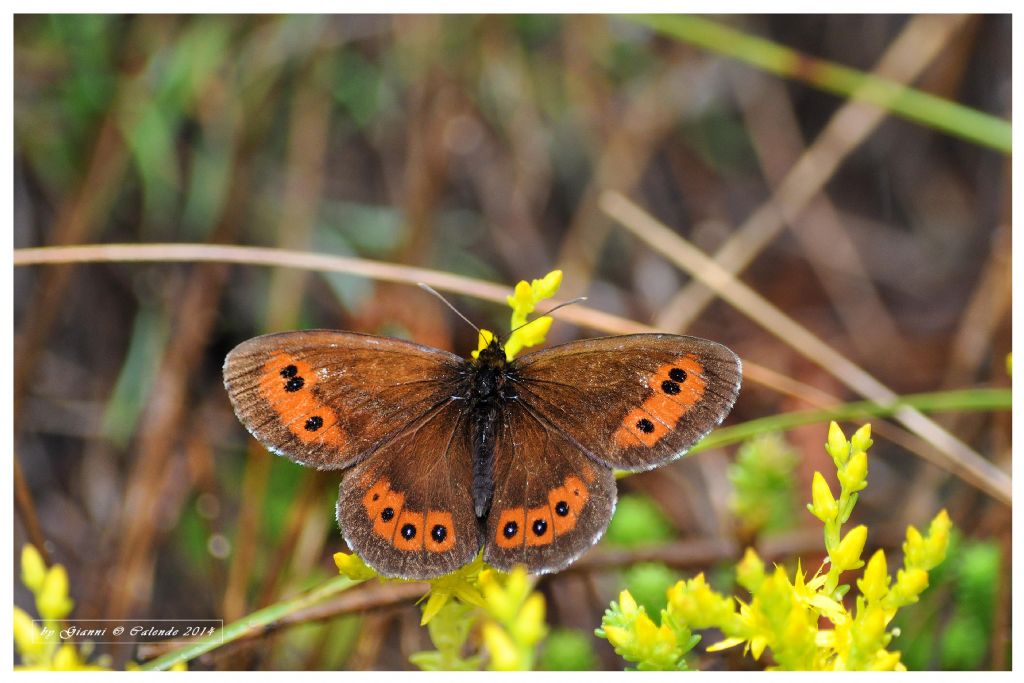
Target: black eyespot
x=510 y=530
x=677 y=374
x=314 y=423
x=408 y=532
x=561 y=508
x=289 y=371
x=539 y=526
x=387 y=514
x=645 y=425
x=439 y=533
x=670 y=387
x=294 y=384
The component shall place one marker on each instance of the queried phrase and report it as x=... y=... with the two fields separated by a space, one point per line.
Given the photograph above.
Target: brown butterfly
x=444 y=455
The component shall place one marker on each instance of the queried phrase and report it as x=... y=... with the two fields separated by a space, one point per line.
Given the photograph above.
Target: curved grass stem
x=254 y=622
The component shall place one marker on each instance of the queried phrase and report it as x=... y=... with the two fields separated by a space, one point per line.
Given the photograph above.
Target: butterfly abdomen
x=489 y=390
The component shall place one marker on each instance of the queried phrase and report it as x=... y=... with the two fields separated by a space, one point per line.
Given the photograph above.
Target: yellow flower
x=516 y=621
x=459 y=584
x=352 y=566
x=27 y=637
x=503 y=651
x=523 y=301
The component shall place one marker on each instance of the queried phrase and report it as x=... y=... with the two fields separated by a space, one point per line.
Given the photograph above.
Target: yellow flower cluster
x=509 y=612
x=523 y=302
x=41 y=652
x=785 y=616
x=515 y=624
x=636 y=638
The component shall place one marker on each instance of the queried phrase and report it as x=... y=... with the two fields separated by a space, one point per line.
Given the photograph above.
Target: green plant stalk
x=250 y=623
x=915 y=105
x=956 y=400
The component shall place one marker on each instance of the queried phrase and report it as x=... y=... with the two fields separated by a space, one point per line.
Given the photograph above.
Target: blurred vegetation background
x=480 y=145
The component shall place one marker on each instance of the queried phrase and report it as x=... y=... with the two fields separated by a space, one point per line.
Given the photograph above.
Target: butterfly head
x=491 y=356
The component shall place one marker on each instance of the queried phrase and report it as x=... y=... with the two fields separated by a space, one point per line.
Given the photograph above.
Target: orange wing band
x=677 y=387
x=287 y=386
x=407 y=529
x=541 y=525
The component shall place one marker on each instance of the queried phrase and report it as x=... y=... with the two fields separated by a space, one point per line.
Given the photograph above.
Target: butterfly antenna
x=424 y=285
x=577 y=300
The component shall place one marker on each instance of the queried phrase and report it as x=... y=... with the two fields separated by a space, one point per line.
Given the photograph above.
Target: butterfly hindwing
x=408 y=509
x=326 y=398
x=631 y=402
x=551 y=502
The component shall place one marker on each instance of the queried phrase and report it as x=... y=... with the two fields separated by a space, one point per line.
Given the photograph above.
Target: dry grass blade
x=915 y=48
x=958 y=457
x=579 y=314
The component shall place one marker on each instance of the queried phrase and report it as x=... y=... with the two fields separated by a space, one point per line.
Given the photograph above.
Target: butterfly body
x=443 y=456
x=489 y=389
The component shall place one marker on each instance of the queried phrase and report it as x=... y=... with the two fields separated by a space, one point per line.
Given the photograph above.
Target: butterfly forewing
x=551 y=502
x=327 y=398
x=632 y=402
x=408 y=509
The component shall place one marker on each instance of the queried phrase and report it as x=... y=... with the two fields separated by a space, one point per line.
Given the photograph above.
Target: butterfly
x=443 y=456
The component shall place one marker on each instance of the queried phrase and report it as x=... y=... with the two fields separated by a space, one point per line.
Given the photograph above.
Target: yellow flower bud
x=861 y=439
x=627 y=605
x=33 y=569
x=838 y=447
x=875 y=583
x=938 y=539
x=913 y=548
x=646 y=630
x=853 y=477
x=909 y=584
x=887 y=661
x=618 y=636
x=847 y=555
x=823 y=504
x=52 y=601
x=869 y=629
x=66 y=659
x=547 y=286
x=750 y=571
x=352 y=566
x=529 y=624
x=504 y=655
x=484 y=340
x=522 y=298
x=27 y=637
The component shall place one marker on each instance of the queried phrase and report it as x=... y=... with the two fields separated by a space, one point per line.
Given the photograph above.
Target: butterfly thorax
x=489 y=389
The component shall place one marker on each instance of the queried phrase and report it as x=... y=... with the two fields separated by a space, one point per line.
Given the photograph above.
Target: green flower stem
x=253 y=622
x=915 y=105
x=940 y=401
